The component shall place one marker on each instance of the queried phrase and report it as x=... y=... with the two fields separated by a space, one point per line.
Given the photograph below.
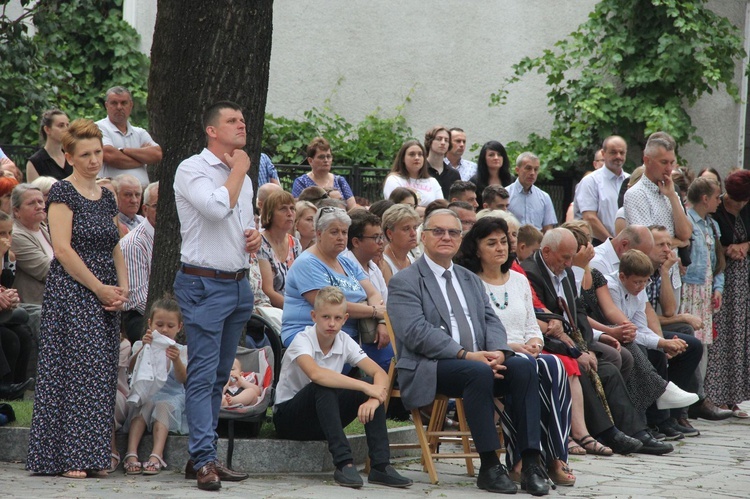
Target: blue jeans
x=214 y=312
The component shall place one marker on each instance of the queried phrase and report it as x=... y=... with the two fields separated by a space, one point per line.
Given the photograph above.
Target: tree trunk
x=202 y=52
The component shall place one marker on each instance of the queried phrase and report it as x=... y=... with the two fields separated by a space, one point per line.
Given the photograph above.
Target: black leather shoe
x=226 y=474
x=706 y=409
x=623 y=444
x=390 y=478
x=496 y=479
x=15 y=391
x=348 y=476
x=669 y=429
x=686 y=428
x=653 y=446
x=534 y=480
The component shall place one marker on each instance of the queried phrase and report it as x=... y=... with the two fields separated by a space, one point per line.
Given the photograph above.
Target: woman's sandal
x=574 y=449
x=562 y=476
x=592 y=446
x=74 y=474
x=132 y=467
x=153 y=468
x=115 y=463
x=739 y=413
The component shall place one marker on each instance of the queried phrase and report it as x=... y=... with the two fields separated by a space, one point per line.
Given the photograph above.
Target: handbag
x=368 y=331
x=554 y=345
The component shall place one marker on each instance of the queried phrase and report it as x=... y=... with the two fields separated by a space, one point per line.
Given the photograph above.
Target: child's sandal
x=132 y=467
x=153 y=468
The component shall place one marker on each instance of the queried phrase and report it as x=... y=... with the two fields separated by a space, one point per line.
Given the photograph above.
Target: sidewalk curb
x=251 y=455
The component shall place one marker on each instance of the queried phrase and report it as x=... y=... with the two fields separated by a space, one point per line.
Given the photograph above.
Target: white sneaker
x=674 y=397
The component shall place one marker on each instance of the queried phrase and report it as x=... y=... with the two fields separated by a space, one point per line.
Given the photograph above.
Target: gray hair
x=325 y=216
x=441 y=211
x=119 y=90
x=659 y=139
x=125 y=179
x=554 y=237
x=148 y=190
x=509 y=217
x=525 y=156
x=397 y=214
x=16 y=197
x=44 y=183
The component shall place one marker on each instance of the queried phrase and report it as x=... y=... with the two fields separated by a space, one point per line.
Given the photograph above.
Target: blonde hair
x=635 y=262
x=329 y=295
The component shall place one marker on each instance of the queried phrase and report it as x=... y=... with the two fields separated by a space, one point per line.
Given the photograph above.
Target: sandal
x=592 y=446
x=153 y=468
x=739 y=413
x=561 y=476
x=115 y=463
x=75 y=474
x=132 y=467
x=574 y=449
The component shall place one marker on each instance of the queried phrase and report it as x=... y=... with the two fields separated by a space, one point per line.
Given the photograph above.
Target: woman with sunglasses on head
x=320 y=158
x=324 y=264
x=410 y=170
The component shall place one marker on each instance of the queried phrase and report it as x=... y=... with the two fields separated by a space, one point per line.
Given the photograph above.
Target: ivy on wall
x=634 y=67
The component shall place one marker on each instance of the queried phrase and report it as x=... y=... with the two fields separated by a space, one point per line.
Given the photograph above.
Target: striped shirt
x=137 y=247
x=213 y=233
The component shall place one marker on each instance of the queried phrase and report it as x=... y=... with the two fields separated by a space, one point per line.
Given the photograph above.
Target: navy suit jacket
x=421 y=322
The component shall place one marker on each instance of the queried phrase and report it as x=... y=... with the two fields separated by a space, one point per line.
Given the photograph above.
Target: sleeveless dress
x=45 y=166
x=79 y=347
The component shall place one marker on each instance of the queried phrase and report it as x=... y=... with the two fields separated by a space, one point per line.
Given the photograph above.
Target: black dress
x=45 y=166
x=79 y=345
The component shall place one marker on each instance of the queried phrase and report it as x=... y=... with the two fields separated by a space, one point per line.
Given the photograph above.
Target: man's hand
x=587 y=362
x=493 y=359
x=367 y=410
x=693 y=320
x=609 y=340
x=673 y=347
x=666 y=186
x=238 y=160
x=252 y=240
x=555 y=330
x=624 y=333
x=375 y=392
x=668 y=263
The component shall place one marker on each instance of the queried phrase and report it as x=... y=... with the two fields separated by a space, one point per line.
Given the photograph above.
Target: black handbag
x=554 y=345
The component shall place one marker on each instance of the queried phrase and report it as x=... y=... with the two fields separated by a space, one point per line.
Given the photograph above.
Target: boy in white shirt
x=314 y=401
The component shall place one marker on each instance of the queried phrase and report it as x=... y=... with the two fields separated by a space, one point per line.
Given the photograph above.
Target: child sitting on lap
x=239 y=390
x=314 y=401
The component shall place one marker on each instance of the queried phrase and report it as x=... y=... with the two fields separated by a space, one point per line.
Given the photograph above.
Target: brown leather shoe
x=706 y=409
x=208 y=478
x=226 y=474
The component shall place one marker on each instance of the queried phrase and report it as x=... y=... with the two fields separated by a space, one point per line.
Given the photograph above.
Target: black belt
x=215 y=274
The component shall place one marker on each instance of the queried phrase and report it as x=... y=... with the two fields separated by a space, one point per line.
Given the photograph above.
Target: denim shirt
x=703 y=241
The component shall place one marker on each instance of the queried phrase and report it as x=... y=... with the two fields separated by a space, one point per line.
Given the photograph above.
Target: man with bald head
x=550 y=274
x=596 y=195
x=607 y=257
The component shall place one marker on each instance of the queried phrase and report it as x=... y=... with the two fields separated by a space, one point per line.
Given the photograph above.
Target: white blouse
x=518 y=316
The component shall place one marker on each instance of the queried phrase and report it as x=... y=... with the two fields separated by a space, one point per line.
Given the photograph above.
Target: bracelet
x=463 y=354
x=381 y=321
x=374 y=312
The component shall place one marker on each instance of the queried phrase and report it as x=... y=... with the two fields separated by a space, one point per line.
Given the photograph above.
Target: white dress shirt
x=634 y=308
x=438 y=271
x=599 y=192
x=213 y=234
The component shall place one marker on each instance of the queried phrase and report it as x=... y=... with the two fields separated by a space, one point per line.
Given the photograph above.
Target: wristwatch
x=121 y=149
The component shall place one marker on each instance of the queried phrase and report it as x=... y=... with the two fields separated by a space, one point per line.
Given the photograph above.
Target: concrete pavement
x=715 y=464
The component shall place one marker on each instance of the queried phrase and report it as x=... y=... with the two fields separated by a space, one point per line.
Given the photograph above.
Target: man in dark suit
x=451 y=342
x=549 y=273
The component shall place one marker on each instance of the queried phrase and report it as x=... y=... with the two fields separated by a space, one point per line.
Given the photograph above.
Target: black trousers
x=476 y=384
x=132 y=322
x=320 y=413
x=15 y=349
x=626 y=417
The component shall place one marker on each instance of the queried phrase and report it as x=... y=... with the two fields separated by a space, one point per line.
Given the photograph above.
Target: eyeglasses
x=440 y=232
x=468 y=223
x=330 y=209
x=378 y=239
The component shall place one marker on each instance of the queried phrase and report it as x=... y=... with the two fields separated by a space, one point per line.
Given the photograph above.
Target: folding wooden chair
x=431 y=438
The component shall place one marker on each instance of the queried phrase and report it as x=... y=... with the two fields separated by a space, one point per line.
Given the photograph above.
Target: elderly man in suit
x=451 y=342
x=549 y=273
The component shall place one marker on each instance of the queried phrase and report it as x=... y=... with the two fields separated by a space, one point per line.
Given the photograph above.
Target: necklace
x=494 y=300
x=91 y=194
x=400 y=264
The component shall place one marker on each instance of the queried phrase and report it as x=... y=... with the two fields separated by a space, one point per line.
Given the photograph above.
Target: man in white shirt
x=453 y=157
x=214 y=198
x=596 y=195
x=128 y=190
x=127 y=148
x=529 y=203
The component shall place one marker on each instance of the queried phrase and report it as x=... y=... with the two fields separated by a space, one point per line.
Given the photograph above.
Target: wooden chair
x=431 y=438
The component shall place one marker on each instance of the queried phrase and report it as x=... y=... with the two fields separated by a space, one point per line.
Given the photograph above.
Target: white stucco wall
x=453 y=54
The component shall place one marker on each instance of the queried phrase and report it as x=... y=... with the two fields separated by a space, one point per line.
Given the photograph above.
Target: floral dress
x=79 y=347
